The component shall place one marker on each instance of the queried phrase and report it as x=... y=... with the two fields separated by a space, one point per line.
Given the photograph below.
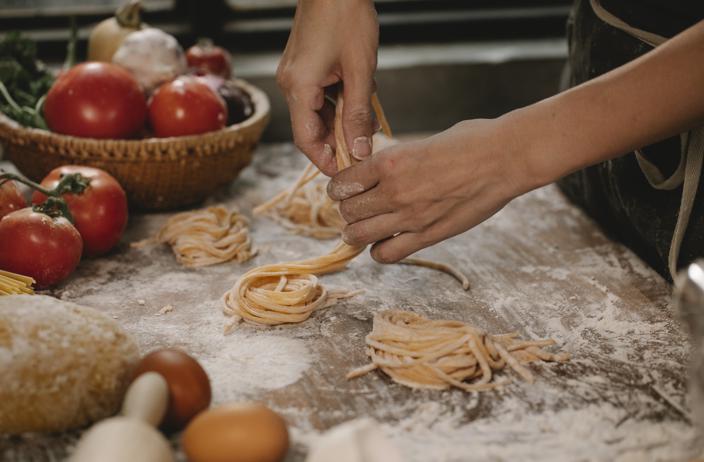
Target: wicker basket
x=156 y=173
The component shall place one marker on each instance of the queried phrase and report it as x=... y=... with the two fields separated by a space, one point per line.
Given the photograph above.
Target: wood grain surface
x=539 y=267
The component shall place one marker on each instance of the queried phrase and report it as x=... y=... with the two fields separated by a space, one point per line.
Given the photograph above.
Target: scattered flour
x=252 y=362
x=557 y=276
x=595 y=432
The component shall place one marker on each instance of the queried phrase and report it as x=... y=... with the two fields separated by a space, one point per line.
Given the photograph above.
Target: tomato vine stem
x=54 y=205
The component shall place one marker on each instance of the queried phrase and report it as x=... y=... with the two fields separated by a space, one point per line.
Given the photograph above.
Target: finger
x=366 y=205
x=353 y=181
x=396 y=248
x=327 y=114
x=357 y=115
x=372 y=230
x=310 y=132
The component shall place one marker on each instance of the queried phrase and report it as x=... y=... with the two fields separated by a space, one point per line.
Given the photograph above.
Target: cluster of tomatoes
x=104 y=100
x=75 y=211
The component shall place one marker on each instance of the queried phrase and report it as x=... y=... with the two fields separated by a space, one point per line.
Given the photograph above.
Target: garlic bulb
x=153 y=57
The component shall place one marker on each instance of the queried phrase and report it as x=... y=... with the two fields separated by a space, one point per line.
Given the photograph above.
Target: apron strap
x=688 y=172
x=693 y=150
x=653 y=174
x=614 y=21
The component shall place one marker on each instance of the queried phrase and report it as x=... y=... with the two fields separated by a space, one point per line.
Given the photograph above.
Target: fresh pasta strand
x=437 y=354
x=447 y=269
x=206 y=237
x=15 y=284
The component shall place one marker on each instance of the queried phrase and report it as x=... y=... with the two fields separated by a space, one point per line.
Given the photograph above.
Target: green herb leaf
x=25 y=79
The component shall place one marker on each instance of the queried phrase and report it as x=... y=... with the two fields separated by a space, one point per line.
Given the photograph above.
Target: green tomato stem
x=7 y=176
x=54 y=207
x=73 y=183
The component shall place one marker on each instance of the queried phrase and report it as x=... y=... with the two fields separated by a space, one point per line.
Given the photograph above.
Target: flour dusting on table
x=539 y=267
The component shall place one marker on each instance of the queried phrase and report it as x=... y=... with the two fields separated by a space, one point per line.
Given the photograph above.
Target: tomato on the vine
x=99 y=211
x=210 y=58
x=39 y=246
x=10 y=198
x=96 y=100
x=186 y=106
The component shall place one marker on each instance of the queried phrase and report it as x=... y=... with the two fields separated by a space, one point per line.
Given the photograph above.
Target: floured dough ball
x=62 y=366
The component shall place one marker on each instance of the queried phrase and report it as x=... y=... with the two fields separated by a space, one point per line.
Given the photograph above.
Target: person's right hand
x=331 y=41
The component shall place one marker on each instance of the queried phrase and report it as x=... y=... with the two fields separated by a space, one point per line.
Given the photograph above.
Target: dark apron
x=650 y=199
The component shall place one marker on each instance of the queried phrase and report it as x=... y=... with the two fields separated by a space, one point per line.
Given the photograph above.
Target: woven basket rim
x=260 y=100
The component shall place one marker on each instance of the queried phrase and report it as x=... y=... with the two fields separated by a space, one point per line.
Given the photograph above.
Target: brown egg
x=189 y=387
x=238 y=432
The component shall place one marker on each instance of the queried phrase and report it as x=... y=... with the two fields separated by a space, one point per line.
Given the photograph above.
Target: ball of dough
x=63 y=366
x=242 y=432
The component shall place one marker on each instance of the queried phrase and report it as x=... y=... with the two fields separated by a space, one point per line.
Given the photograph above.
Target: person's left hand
x=412 y=195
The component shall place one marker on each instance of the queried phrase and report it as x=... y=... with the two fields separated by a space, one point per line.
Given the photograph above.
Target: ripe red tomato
x=37 y=245
x=99 y=212
x=210 y=58
x=96 y=100
x=10 y=199
x=186 y=106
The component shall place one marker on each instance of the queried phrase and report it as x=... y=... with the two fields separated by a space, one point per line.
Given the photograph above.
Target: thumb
x=357 y=116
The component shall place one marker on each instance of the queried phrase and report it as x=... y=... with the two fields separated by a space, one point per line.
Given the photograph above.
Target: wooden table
x=539 y=267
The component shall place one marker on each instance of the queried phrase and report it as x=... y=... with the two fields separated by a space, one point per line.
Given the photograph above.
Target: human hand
x=331 y=41
x=412 y=195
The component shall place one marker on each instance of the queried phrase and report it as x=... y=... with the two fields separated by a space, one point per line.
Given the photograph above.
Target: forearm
x=656 y=96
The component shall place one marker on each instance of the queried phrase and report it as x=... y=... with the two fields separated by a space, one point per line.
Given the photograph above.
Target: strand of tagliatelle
x=290 y=292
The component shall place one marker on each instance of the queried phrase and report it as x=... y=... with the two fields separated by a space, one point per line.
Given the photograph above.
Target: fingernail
x=361 y=148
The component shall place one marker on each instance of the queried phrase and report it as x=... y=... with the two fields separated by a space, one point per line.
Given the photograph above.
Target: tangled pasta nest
x=206 y=237
x=305 y=208
x=438 y=354
x=286 y=292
